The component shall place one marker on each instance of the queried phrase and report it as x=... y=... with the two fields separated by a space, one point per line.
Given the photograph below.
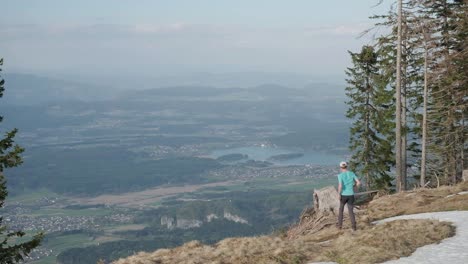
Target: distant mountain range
x=26 y=89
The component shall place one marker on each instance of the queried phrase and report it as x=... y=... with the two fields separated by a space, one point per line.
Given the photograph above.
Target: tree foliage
x=433 y=85
x=441 y=41
x=10 y=157
x=371 y=112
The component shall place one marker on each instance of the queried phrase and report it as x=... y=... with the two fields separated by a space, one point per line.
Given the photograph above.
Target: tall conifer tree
x=411 y=83
x=448 y=94
x=424 y=54
x=369 y=108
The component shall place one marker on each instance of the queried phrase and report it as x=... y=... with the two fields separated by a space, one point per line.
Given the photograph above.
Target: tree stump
x=327 y=199
x=324 y=213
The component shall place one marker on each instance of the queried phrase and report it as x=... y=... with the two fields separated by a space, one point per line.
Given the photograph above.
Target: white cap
x=343 y=164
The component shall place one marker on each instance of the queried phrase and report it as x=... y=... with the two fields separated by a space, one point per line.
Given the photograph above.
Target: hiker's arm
x=340 y=188
x=358 y=182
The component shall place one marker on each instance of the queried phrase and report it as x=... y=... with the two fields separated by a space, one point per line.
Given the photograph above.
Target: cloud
x=14 y=30
x=156 y=29
x=36 y=30
x=195 y=46
x=345 y=30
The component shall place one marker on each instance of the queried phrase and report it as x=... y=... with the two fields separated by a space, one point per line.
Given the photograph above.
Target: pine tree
x=369 y=108
x=411 y=77
x=459 y=83
x=415 y=43
x=423 y=59
x=448 y=94
x=10 y=157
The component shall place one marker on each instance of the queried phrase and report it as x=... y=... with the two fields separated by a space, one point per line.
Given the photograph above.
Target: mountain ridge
x=370 y=243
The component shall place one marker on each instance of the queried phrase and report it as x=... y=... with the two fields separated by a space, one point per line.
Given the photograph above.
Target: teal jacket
x=347 y=180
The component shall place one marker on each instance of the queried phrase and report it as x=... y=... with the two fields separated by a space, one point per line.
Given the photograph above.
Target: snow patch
x=451 y=250
x=460 y=193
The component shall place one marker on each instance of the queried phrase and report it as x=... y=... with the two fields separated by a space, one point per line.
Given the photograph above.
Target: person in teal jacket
x=346 y=182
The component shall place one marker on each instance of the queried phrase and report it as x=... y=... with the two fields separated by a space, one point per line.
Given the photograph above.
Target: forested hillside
x=407 y=95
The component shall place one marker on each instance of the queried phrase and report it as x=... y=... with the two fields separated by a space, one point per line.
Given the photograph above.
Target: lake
x=264 y=153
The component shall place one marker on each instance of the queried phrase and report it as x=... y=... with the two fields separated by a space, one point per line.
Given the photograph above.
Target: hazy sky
x=171 y=36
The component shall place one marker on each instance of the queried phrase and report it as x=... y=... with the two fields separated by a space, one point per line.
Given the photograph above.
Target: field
x=32 y=196
x=273 y=184
x=61 y=243
x=147 y=197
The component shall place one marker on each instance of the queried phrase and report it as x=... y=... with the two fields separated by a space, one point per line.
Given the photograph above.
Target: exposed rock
x=172 y=222
x=188 y=223
x=234 y=218
x=210 y=217
x=168 y=222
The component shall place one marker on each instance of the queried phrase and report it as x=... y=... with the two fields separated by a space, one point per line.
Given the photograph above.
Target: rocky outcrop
x=234 y=218
x=183 y=223
x=188 y=223
x=168 y=222
x=211 y=217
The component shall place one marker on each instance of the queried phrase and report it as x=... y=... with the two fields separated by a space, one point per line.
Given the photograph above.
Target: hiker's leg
x=351 y=211
x=340 y=213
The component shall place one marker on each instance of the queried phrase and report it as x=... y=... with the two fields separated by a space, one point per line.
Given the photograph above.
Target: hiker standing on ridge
x=346 y=182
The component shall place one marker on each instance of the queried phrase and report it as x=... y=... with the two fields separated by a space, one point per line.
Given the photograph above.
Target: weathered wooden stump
x=326 y=200
x=323 y=214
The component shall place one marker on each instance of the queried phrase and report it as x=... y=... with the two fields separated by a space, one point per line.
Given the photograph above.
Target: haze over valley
x=111 y=172
x=232 y=131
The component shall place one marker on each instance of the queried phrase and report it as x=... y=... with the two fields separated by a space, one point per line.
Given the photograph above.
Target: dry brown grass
x=387 y=241
x=371 y=244
x=377 y=244
x=261 y=250
x=417 y=201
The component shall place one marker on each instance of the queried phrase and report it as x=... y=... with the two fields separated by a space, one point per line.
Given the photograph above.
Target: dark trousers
x=347 y=199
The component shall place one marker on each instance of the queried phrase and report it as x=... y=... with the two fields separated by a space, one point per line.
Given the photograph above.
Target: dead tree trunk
x=400 y=182
x=425 y=97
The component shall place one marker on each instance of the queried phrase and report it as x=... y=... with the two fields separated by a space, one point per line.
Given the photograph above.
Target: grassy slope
x=370 y=244
x=418 y=201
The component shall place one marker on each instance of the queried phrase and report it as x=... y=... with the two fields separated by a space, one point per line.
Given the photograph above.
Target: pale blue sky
x=249 y=12
x=162 y=37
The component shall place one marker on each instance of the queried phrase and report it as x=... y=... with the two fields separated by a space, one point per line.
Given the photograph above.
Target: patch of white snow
x=451 y=250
